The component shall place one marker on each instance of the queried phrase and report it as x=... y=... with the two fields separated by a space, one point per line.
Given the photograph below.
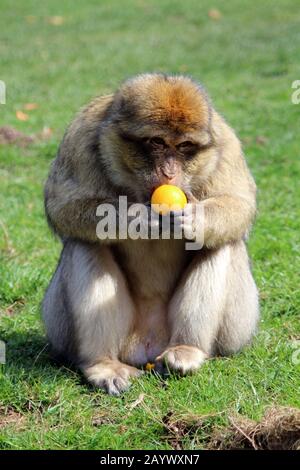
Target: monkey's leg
x=241 y=313
x=100 y=308
x=215 y=302
x=195 y=311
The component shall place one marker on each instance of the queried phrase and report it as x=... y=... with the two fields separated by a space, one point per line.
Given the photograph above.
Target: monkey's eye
x=157 y=142
x=186 y=146
x=128 y=137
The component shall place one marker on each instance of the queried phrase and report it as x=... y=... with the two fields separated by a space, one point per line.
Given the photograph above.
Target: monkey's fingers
x=175 y=218
x=182 y=359
x=161 y=367
x=191 y=198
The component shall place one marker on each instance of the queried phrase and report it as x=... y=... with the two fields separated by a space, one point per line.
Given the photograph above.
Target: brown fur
x=168 y=101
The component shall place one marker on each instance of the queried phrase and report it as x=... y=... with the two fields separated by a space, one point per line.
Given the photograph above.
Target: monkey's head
x=158 y=130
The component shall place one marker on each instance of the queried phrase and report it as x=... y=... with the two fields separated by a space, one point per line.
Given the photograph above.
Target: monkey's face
x=159 y=133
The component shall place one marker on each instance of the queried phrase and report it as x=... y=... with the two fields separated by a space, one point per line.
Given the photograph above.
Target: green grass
x=247 y=60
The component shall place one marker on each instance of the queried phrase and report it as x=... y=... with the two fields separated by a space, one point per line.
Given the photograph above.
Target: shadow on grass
x=29 y=354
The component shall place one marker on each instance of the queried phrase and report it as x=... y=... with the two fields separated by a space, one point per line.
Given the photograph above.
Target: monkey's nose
x=169 y=172
x=168 y=179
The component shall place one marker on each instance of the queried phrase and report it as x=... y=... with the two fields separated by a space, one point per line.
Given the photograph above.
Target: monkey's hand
x=145 y=223
x=138 y=222
x=190 y=222
x=216 y=220
x=142 y=222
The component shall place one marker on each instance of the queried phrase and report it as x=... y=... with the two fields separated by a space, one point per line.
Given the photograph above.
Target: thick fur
x=115 y=305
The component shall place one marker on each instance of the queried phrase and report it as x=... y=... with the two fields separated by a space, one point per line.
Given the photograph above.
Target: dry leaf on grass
x=30 y=106
x=55 y=20
x=215 y=14
x=45 y=134
x=137 y=402
x=22 y=116
x=122 y=429
x=30 y=19
x=9 y=416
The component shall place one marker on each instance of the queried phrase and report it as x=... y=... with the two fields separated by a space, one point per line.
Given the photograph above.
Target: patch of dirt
x=101 y=419
x=181 y=428
x=279 y=429
x=9 y=416
x=260 y=140
x=11 y=136
x=13 y=308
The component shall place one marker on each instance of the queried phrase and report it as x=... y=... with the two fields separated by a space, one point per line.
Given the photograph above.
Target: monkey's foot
x=182 y=359
x=111 y=375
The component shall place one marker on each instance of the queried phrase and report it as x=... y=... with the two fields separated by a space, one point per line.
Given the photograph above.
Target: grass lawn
x=247 y=59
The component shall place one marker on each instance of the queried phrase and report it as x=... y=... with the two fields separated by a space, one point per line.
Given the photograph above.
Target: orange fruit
x=167 y=198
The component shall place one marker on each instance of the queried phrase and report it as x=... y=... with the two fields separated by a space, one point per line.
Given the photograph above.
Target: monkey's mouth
x=146 y=187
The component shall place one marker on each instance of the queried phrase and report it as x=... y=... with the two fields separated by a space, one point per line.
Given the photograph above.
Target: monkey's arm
x=227 y=218
x=228 y=202
x=217 y=220
x=70 y=210
x=76 y=184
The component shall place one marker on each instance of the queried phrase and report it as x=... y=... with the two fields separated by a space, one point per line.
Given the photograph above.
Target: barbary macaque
x=114 y=305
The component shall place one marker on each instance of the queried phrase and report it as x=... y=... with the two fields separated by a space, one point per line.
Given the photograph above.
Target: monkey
x=114 y=305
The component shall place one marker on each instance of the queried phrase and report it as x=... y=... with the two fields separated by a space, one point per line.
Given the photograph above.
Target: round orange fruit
x=167 y=198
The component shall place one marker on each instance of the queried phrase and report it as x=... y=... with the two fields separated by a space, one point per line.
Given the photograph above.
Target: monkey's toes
x=182 y=359
x=111 y=376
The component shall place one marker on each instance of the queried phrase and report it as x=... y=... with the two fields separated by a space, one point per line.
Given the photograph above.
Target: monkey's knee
x=182 y=359
x=112 y=376
x=228 y=345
